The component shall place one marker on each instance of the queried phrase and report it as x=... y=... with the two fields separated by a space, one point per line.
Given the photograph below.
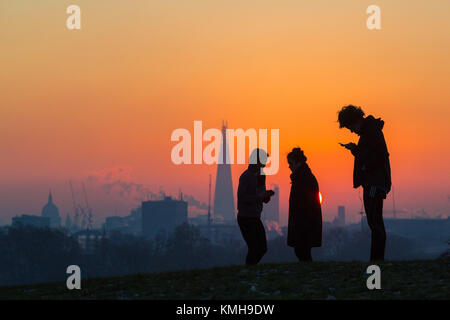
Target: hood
x=370 y=123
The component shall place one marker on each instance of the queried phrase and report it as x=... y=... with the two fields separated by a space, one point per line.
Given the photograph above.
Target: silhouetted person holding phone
x=371 y=170
x=251 y=195
x=305 y=212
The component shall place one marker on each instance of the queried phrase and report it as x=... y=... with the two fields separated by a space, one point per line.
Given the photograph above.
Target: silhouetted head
x=351 y=117
x=258 y=158
x=296 y=158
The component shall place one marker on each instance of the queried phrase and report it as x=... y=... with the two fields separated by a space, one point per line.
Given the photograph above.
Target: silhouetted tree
x=31 y=255
x=188 y=246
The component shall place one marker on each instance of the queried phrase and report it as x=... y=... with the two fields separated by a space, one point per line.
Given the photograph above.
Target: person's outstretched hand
x=350 y=146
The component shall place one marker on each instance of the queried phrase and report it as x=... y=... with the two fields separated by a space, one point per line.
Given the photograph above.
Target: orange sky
x=109 y=95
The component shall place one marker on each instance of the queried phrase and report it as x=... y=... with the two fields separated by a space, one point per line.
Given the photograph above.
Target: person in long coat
x=305 y=212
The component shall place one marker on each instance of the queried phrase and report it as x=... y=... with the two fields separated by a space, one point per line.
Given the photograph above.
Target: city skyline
x=198 y=207
x=76 y=104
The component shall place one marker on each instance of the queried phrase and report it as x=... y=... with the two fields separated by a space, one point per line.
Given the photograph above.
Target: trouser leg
x=254 y=234
x=374 y=212
x=261 y=247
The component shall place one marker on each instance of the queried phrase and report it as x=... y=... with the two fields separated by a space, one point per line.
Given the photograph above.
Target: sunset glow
x=80 y=104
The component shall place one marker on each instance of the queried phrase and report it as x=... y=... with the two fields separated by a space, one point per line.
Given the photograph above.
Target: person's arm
x=354 y=150
x=243 y=191
x=265 y=194
x=351 y=146
x=377 y=151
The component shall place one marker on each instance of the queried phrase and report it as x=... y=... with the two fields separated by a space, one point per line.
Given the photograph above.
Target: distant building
x=30 y=220
x=163 y=216
x=87 y=239
x=271 y=211
x=218 y=233
x=131 y=224
x=50 y=210
x=134 y=221
x=339 y=221
x=113 y=223
x=200 y=219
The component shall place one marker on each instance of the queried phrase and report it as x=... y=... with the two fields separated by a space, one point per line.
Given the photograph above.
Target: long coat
x=305 y=212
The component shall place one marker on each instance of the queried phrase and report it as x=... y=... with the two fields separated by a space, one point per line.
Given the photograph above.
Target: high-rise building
x=340 y=218
x=163 y=216
x=271 y=210
x=223 y=192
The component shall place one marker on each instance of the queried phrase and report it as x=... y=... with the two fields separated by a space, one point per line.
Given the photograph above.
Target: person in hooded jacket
x=305 y=212
x=371 y=170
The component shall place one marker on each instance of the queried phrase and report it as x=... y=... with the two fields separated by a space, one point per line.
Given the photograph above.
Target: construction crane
x=88 y=210
x=75 y=207
x=83 y=213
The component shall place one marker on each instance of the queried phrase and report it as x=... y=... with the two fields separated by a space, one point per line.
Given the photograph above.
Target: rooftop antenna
x=393 y=203
x=209 y=201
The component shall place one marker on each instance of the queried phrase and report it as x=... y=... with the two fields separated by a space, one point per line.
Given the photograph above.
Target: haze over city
x=98 y=106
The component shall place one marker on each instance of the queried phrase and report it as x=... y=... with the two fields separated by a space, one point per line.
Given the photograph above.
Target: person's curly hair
x=297 y=155
x=349 y=114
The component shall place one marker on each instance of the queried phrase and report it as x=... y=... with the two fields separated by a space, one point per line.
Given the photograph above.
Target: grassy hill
x=319 y=280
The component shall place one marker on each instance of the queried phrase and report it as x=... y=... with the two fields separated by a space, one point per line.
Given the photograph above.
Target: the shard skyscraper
x=223 y=192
